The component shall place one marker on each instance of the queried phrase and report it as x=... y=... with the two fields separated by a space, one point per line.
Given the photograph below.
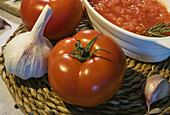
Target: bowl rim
x=137 y=36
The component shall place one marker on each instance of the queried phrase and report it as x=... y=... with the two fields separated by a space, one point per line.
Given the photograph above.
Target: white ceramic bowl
x=135 y=46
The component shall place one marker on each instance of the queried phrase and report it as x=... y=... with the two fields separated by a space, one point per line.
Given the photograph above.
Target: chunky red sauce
x=132 y=15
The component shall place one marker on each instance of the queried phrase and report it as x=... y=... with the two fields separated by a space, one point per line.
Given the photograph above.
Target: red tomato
x=93 y=81
x=66 y=16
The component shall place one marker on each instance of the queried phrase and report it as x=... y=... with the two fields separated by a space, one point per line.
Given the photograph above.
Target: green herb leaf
x=159 y=30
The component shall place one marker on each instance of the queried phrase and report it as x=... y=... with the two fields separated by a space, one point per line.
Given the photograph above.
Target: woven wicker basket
x=35 y=96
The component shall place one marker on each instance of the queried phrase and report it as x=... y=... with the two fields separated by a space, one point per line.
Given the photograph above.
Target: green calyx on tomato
x=84 y=53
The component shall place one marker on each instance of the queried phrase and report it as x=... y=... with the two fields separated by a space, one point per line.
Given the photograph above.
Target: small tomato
x=91 y=81
x=66 y=16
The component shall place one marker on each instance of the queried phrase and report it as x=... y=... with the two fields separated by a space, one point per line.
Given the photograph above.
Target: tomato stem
x=84 y=53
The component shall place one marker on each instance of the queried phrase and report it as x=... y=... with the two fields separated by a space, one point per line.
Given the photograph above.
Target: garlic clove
x=156 y=88
x=155 y=111
x=26 y=55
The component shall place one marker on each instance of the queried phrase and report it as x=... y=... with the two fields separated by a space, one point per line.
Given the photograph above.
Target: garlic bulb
x=26 y=55
x=156 y=87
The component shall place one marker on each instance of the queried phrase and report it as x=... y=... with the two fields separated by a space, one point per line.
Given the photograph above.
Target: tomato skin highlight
x=65 y=18
x=93 y=81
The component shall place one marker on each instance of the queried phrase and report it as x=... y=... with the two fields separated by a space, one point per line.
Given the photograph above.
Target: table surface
x=7 y=104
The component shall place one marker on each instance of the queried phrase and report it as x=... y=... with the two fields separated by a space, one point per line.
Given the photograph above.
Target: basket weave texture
x=36 y=97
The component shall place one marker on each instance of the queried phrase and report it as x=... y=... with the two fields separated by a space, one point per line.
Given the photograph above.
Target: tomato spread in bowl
x=132 y=15
x=128 y=18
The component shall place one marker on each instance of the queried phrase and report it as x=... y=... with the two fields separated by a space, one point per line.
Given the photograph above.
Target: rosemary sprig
x=159 y=30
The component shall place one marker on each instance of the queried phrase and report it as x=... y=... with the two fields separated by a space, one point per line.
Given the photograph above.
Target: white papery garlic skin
x=26 y=55
x=156 y=88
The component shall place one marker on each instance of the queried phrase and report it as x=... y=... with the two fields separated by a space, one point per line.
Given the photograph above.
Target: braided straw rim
x=35 y=96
